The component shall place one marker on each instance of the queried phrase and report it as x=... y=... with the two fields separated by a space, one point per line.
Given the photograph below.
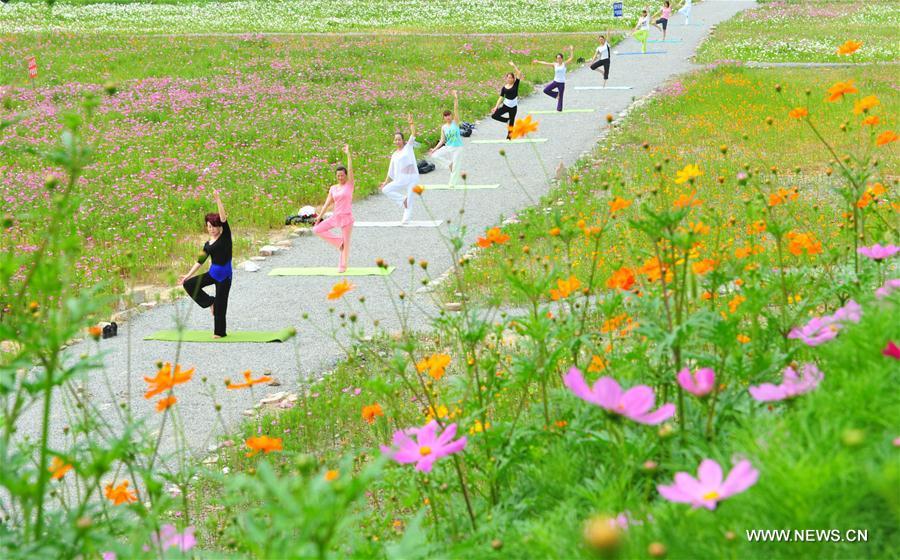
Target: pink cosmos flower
x=887 y=288
x=891 y=350
x=878 y=252
x=791 y=386
x=108 y=555
x=427 y=447
x=820 y=330
x=708 y=488
x=169 y=537
x=700 y=383
x=634 y=403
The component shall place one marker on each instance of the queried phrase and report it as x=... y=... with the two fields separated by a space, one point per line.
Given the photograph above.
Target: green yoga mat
x=552 y=112
x=516 y=141
x=238 y=336
x=459 y=187
x=332 y=271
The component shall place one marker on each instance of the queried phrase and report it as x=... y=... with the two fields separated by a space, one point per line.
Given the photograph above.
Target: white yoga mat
x=459 y=187
x=411 y=223
x=551 y=112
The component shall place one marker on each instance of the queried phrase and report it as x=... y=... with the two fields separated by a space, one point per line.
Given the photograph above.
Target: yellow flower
x=332 y=475
x=849 y=47
x=340 y=289
x=864 y=104
x=688 y=173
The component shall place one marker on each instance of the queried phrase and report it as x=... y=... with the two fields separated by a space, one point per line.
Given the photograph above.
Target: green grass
x=807 y=31
x=257 y=16
x=178 y=125
x=688 y=123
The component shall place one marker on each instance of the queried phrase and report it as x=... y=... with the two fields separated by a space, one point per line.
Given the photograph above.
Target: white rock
x=257 y=259
x=274 y=397
x=250 y=266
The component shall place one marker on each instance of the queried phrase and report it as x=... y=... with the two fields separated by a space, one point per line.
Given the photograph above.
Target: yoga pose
x=403 y=173
x=448 y=150
x=663 y=22
x=686 y=11
x=341 y=197
x=218 y=248
x=642 y=29
x=602 y=58
x=508 y=103
x=557 y=87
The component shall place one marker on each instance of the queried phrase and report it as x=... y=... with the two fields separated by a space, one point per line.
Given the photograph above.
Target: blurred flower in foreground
x=635 y=403
x=792 y=384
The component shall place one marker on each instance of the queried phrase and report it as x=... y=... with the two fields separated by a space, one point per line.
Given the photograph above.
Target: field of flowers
x=807 y=31
x=177 y=125
x=290 y=16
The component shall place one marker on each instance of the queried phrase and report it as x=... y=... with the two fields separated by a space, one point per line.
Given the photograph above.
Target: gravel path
x=260 y=302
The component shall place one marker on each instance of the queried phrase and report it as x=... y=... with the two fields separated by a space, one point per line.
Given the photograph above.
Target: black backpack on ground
x=465 y=129
x=425 y=167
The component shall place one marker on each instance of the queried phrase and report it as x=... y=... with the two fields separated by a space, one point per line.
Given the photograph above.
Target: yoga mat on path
x=411 y=223
x=601 y=87
x=207 y=336
x=460 y=187
x=638 y=52
x=665 y=40
x=552 y=112
x=516 y=141
x=332 y=271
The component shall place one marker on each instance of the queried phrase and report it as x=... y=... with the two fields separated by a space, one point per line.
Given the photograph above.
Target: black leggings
x=194 y=287
x=605 y=64
x=498 y=115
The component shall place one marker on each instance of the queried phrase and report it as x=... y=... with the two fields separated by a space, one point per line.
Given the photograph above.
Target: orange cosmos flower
x=494 y=236
x=554 y=231
x=798 y=243
x=743 y=252
x=623 y=279
x=166 y=379
x=704 y=266
x=332 y=475
x=736 y=302
x=864 y=200
x=864 y=104
x=264 y=444
x=653 y=271
x=523 y=127
x=886 y=137
x=743 y=339
x=120 y=494
x=597 y=364
x=248 y=381
x=686 y=200
x=876 y=190
x=58 y=468
x=165 y=403
x=759 y=226
x=871 y=120
x=564 y=288
x=418 y=189
x=95 y=332
x=688 y=173
x=849 y=47
x=798 y=113
x=699 y=228
x=339 y=289
x=617 y=204
x=372 y=411
x=435 y=365
x=783 y=195
x=840 y=89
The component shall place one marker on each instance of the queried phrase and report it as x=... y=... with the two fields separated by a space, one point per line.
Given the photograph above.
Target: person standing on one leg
x=663 y=22
x=218 y=249
x=642 y=30
x=686 y=12
x=602 y=58
x=507 y=104
x=557 y=87
x=403 y=173
x=449 y=149
x=341 y=196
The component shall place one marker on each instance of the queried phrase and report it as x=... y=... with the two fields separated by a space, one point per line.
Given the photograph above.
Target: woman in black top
x=218 y=249
x=508 y=103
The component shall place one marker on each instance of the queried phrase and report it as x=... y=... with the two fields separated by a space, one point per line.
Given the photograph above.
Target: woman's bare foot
x=216 y=336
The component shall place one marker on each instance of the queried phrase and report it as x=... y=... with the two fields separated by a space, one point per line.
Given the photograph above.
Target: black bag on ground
x=465 y=129
x=425 y=167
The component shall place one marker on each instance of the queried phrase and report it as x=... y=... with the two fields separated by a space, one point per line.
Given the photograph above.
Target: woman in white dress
x=403 y=173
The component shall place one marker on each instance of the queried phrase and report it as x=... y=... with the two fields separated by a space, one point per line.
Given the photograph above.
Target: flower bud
x=657 y=550
x=602 y=534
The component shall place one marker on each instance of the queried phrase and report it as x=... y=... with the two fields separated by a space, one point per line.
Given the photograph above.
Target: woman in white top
x=642 y=29
x=686 y=12
x=602 y=58
x=557 y=87
x=403 y=173
x=448 y=150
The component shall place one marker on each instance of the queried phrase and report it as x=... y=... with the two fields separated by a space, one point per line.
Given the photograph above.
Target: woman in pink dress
x=341 y=197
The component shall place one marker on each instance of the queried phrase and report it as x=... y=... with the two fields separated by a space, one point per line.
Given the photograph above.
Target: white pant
x=446 y=156
x=400 y=189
